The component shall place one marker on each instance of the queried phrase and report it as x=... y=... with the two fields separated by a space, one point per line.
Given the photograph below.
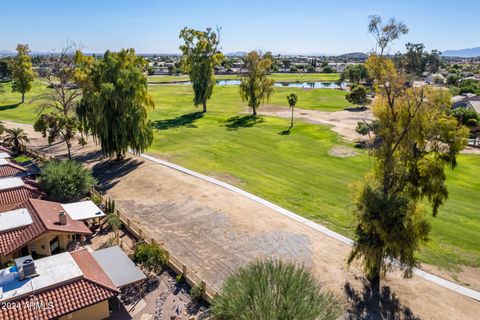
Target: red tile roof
x=91 y=269
x=11 y=170
x=3 y=149
x=7 y=238
x=45 y=218
x=58 y=301
x=11 y=197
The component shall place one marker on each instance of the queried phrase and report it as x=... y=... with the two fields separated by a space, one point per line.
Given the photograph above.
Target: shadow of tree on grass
x=237 y=122
x=9 y=106
x=185 y=120
x=371 y=303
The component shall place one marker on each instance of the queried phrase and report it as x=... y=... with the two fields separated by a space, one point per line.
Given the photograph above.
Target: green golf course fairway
x=295 y=171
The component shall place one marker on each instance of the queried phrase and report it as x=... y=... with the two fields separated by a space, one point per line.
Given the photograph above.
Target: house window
x=54 y=246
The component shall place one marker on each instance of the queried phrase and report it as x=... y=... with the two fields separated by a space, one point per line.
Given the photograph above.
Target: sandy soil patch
x=471 y=150
x=342 y=122
x=342 y=152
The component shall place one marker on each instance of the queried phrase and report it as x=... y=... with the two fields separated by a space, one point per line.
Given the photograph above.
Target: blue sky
x=280 y=26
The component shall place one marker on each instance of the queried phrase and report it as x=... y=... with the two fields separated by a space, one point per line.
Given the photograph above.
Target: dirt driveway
x=215 y=231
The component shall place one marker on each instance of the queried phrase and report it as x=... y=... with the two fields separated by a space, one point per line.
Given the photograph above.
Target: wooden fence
x=174 y=263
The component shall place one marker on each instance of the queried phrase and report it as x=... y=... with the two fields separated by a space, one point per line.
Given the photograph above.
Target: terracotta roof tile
x=11 y=170
x=7 y=238
x=15 y=196
x=58 y=301
x=45 y=216
x=4 y=149
x=91 y=269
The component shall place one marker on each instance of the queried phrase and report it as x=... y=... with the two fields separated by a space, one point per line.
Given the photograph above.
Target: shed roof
x=118 y=266
x=83 y=210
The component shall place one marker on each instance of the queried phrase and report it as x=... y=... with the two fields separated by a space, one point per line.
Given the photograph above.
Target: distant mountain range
x=354 y=55
x=463 y=53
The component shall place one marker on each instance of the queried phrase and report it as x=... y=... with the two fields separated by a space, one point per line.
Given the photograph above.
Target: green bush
x=151 y=256
x=196 y=293
x=66 y=181
x=179 y=278
x=269 y=290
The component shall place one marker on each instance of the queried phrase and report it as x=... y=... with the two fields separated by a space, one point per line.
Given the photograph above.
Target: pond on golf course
x=306 y=84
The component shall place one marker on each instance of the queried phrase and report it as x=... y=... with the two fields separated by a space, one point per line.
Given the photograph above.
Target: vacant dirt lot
x=215 y=231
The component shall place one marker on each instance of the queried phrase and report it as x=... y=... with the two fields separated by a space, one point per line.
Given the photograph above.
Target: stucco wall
x=97 y=311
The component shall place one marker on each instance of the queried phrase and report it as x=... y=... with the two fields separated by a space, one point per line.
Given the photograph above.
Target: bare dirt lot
x=215 y=231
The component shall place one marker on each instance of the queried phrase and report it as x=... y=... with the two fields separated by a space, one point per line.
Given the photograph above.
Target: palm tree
x=273 y=290
x=16 y=136
x=292 y=101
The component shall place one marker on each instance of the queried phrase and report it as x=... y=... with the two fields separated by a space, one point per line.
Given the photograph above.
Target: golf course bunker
x=342 y=152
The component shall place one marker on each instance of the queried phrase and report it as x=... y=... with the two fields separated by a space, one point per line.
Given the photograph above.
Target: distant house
x=469 y=101
x=436 y=78
x=13 y=191
x=158 y=71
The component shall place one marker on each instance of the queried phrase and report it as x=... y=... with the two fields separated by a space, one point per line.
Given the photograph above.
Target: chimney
x=62 y=218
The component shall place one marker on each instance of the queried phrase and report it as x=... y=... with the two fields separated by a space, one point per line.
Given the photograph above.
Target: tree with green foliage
x=66 y=181
x=57 y=125
x=15 y=137
x=113 y=219
x=255 y=86
x=292 y=99
x=465 y=116
x=417 y=60
x=417 y=139
x=115 y=103
x=200 y=54
x=22 y=71
x=5 y=71
x=469 y=86
x=355 y=73
x=151 y=257
x=328 y=69
x=273 y=290
x=358 y=95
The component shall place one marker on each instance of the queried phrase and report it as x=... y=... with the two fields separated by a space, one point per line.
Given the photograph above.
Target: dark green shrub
x=151 y=256
x=196 y=293
x=269 y=290
x=66 y=181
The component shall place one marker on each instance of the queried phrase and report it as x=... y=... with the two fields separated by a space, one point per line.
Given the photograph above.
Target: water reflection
x=311 y=85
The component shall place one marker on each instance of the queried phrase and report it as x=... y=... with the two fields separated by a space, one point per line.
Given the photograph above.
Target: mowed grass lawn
x=278 y=77
x=296 y=170
x=10 y=107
